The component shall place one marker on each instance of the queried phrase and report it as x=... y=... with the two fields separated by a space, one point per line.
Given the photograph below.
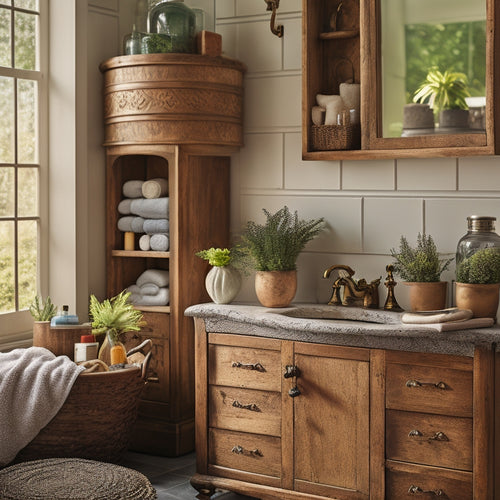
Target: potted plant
x=223 y=281
x=114 y=317
x=42 y=312
x=478 y=283
x=421 y=269
x=446 y=93
x=273 y=248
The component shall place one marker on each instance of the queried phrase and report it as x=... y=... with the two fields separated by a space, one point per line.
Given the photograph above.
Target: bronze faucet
x=355 y=292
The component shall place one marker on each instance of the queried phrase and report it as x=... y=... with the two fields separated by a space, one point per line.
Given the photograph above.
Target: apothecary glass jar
x=177 y=21
x=480 y=234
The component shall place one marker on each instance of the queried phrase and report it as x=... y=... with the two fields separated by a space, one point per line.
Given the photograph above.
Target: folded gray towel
x=155 y=188
x=144 y=242
x=159 y=277
x=160 y=299
x=156 y=208
x=153 y=226
x=131 y=223
x=132 y=189
x=159 y=242
x=124 y=206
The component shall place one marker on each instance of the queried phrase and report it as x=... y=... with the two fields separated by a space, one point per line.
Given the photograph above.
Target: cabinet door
x=331 y=421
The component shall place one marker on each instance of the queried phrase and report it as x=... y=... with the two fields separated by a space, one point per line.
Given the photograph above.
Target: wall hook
x=273 y=6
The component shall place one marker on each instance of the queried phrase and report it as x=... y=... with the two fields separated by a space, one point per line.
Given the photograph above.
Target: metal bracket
x=273 y=6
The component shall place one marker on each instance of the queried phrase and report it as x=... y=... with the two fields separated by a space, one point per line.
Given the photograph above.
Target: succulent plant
x=42 y=311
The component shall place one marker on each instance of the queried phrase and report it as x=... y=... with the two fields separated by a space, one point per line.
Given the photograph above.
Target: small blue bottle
x=64 y=318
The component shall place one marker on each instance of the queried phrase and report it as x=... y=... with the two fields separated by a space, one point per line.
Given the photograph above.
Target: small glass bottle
x=132 y=42
x=176 y=20
x=64 y=318
x=480 y=234
x=112 y=350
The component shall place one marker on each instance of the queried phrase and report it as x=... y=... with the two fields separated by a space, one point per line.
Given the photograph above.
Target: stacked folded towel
x=150 y=288
x=145 y=209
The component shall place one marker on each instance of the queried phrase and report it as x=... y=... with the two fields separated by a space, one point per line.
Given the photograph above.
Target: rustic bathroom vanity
x=304 y=403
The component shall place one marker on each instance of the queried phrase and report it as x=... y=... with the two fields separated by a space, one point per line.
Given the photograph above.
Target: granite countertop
x=339 y=325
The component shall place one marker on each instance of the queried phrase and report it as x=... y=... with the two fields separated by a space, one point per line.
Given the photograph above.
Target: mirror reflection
x=433 y=67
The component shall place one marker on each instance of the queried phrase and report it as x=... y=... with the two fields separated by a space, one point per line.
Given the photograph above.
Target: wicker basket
x=96 y=420
x=335 y=137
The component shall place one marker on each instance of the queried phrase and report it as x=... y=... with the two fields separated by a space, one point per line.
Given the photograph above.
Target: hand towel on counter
x=159 y=242
x=160 y=299
x=130 y=223
x=124 y=206
x=159 y=277
x=155 y=188
x=156 y=208
x=450 y=326
x=132 y=189
x=153 y=226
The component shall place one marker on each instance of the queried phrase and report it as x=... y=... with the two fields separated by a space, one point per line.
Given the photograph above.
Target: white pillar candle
x=333 y=109
x=350 y=93
x=318 y=115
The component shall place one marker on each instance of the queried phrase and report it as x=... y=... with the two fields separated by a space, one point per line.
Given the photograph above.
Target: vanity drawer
x=417 y=481
x=249 y=367
x=429 y=439
x=245 y=409
x=246 y=452
x=430 y=389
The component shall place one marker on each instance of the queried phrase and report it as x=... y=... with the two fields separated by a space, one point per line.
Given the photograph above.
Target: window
x=21 y=97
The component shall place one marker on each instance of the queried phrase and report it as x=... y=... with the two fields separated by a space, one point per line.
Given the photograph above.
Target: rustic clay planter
x=427 y=296
x=223 y=284
x=59 y=340
x=275 y=288
x=482 y=300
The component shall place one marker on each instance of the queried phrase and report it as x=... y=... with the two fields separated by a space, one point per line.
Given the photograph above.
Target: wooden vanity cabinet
x=363 y=423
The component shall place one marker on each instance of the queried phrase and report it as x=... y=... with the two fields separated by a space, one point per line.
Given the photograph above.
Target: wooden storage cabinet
x=366 y=424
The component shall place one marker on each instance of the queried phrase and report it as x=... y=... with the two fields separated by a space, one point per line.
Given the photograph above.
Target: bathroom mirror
x=441 y=43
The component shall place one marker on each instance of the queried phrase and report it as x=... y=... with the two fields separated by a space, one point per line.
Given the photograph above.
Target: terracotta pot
x=275 y=288
x=59 y=340
x=223 y=284
x=427 y=296
x=482 y=300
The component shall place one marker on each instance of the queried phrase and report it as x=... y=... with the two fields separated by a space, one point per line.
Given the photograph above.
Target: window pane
x=6 y=191
x=7 y=283
x=25 y=54
x=27 y=121
x=6 y=120
x=27 y=194
x=5 y=42
x=27 y=4
x=27 y=262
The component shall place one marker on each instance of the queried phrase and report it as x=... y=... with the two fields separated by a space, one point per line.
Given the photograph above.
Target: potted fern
x=223 y=281
x=446 y=93
x=421 y=267
x=273 y=248
x=478 y=283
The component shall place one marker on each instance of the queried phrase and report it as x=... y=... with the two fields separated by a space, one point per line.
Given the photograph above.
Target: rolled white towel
x=156 y=208
x=160 y=299
x=134 y=289
x=159 y=242
x=153 y=226
x=149 y=289
x=124 y=206
x=132 y=189
x=155 y=188
x=144 y=242
x=159 y=277
x=130 y=223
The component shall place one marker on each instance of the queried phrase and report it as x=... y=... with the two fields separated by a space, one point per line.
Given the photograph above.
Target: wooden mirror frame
x=315 y=56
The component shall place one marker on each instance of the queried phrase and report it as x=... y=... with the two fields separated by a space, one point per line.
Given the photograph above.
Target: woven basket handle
x=145 y=348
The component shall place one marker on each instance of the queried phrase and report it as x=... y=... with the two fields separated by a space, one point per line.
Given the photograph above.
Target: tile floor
x=170 y=476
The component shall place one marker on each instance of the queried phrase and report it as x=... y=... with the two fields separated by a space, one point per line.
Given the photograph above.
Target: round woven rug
x=73 y=479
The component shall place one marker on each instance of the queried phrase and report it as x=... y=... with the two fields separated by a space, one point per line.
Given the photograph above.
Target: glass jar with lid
x=480 y=234
x=177 y=21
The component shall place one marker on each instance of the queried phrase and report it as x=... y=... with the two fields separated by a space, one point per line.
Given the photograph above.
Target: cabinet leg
x=205 y=490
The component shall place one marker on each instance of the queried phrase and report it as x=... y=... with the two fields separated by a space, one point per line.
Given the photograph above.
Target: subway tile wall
x=367 y=205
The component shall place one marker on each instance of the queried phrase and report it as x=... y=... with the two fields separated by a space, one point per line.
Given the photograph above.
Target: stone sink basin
x=339 y=313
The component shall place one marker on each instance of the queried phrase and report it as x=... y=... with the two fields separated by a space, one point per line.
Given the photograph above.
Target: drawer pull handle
x=255 y=366
x=250 y=406
x=416 y=383
x=153 y=380
x=416 y=490
x=438 y=436
x=291 y=371
x=241 y=451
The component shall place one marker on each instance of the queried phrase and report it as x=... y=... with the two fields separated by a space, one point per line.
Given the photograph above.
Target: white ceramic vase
x=223 y=284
